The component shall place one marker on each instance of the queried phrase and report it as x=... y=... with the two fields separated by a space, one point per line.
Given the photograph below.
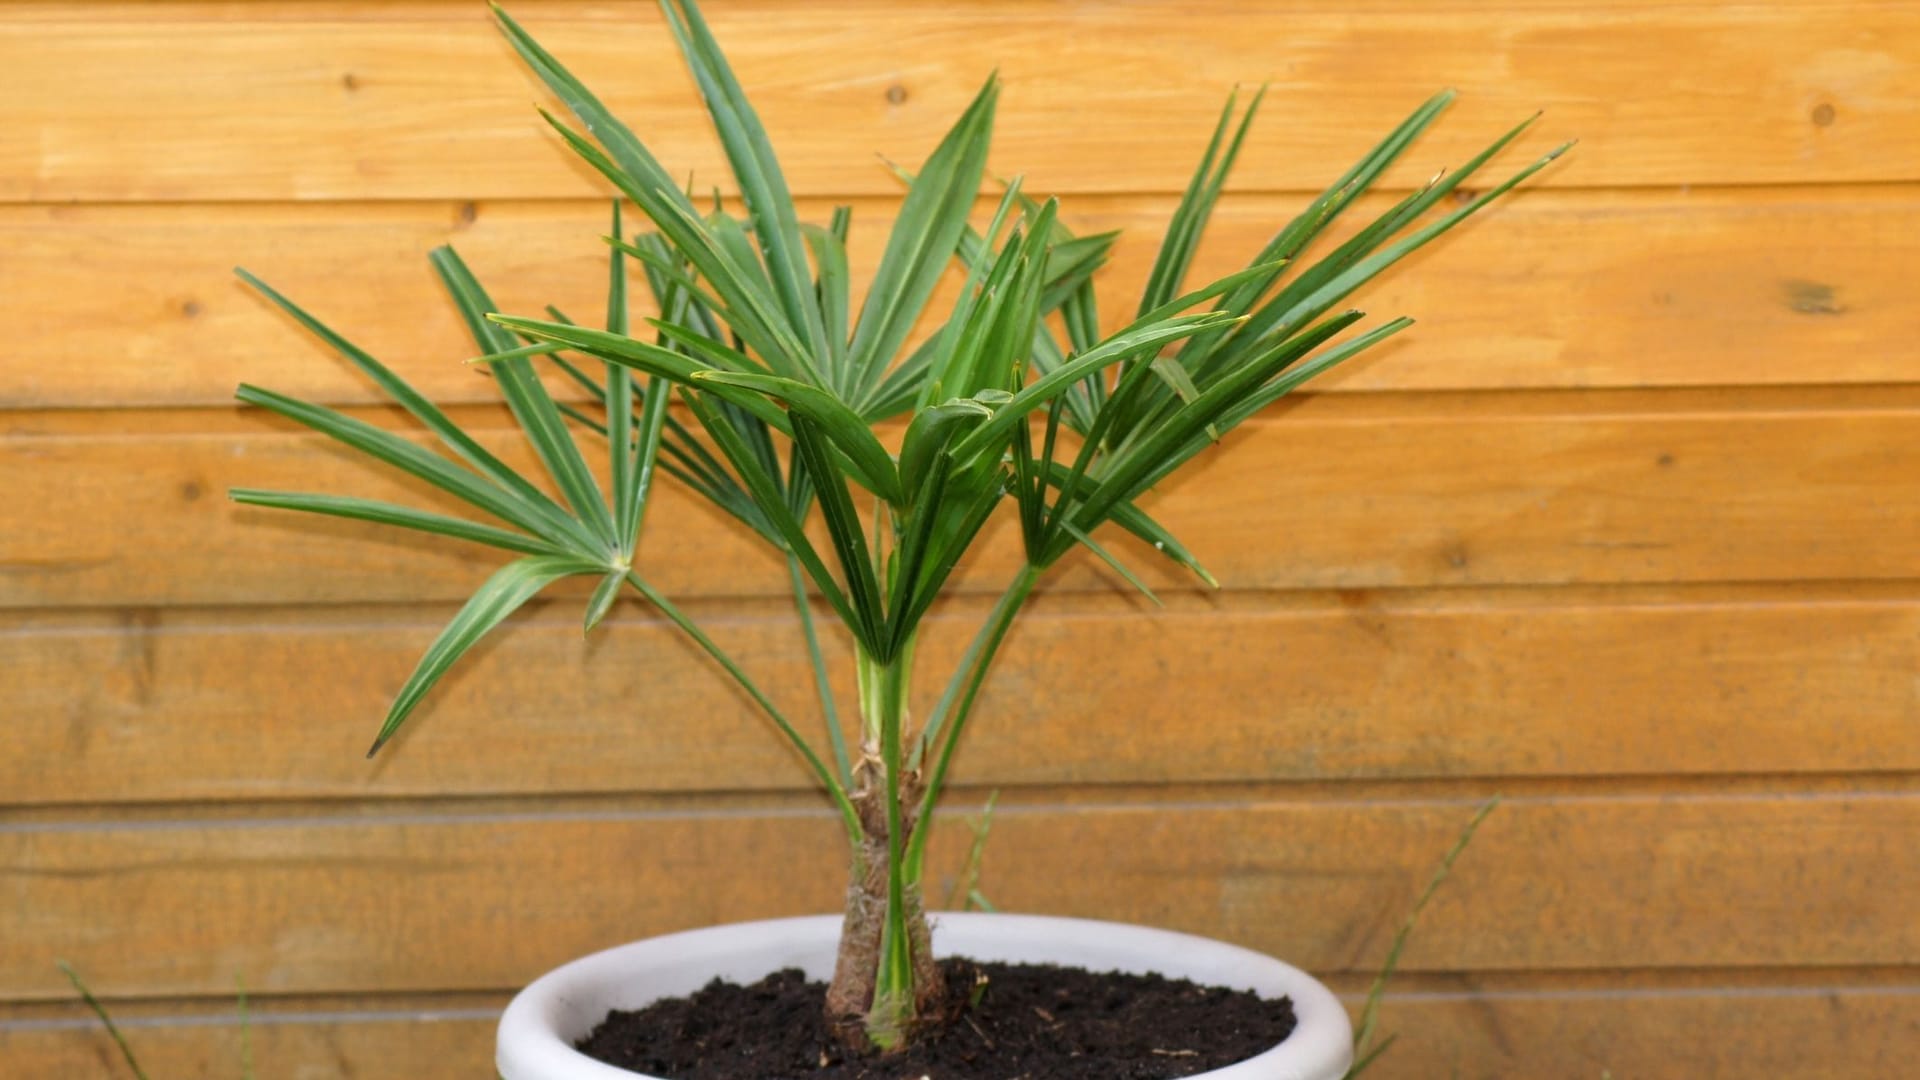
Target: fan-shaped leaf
x=384 y=445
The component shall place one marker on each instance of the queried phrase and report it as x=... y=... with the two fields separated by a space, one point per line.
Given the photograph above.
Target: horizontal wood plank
x=1787 y=286
x=437 y=108
x=361 y=12
x=1434 y=492
x=1814 y=1032
x=327 y=1044
x=451 y=901
x=225 y=705
x=1681 y=626
x=1803 y=1032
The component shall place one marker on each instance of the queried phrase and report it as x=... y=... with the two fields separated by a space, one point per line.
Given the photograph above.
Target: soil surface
x=1025 y=1022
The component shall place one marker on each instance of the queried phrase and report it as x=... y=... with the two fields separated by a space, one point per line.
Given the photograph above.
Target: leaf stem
x=895 y=989
x=820 y=770
x=831 y=714
x=883 y=702
x=975 y=672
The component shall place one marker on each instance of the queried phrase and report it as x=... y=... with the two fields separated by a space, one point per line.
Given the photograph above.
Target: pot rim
x=538 y=1027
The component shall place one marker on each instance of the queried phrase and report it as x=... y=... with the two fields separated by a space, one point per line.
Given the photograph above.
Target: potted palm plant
x=870 y=460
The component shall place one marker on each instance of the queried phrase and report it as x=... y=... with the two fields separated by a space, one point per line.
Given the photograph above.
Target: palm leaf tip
x=603 y=597
x=499 y=596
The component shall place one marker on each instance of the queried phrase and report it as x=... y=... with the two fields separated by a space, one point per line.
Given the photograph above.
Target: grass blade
x=1370 y=1013
x=966 y=889
x=99 y=1010
x=1366 y=1060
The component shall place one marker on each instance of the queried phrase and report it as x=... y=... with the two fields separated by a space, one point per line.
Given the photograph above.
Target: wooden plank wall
x=1628 y=530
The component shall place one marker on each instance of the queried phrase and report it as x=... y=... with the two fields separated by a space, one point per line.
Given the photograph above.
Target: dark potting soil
x=1028 y=1022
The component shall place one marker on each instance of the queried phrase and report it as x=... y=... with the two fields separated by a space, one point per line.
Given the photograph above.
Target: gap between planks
x=266 y=1009
x=1365 y=407
x=1072 y=201
x=391 y=11
x=1014 y=800
x=1046 y=606
x=1104 y=202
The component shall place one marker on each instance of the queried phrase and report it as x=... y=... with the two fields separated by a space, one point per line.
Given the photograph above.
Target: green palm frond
x=498 y=597
x=920 y=248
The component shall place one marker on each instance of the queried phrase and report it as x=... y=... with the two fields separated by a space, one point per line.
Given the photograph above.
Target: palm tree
x=1015 y=398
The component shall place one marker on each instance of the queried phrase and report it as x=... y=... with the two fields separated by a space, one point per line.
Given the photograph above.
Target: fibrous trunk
x=860 y=1019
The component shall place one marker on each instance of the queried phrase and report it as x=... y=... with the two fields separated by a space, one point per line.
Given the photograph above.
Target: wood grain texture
x=371 y=13
x=239 y=705
x=1645 y=288
x=462 y=901
x=1747 y=94
x=1625 y=528
x=1825 y=1033
x=329 y=1045
x=1560 y=491
x=1811 y=1032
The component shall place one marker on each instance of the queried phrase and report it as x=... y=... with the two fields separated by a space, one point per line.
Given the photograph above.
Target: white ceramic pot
x=540 y=1025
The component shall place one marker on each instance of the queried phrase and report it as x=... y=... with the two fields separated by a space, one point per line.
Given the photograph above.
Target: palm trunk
x=885 y=981
x=856 y=972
